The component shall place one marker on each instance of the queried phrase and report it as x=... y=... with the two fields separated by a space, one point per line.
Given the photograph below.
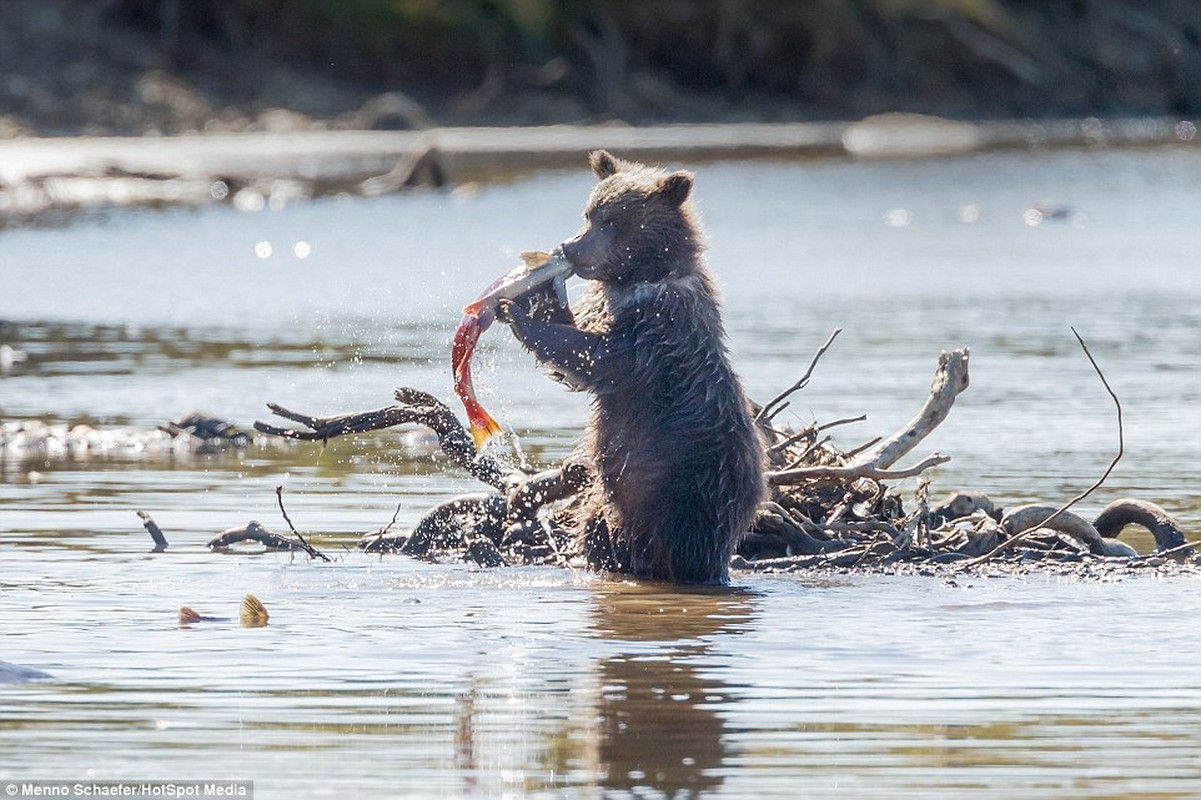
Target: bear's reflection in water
x=658 y=723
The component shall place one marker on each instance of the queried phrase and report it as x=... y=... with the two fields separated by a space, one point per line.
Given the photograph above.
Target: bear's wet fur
x=677 y=460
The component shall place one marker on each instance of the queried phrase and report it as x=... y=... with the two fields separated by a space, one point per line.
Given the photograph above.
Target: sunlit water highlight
x=386 y=677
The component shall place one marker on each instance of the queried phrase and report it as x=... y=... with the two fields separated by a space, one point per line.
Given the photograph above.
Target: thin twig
x=395 y=514
x=1171 y=551
x=922 y=499
x=865 y=446
x=844 y=421
x=1064 y=508
x=812 y=430
x=308 y=548
x=790 y=476
x=796 y=462
x=804 y=433
x=770 y=410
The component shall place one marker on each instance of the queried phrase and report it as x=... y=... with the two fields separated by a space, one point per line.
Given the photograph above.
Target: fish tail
x=253 y=613
x=483 y=426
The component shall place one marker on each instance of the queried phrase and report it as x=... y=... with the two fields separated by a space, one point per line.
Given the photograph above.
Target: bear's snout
x=584 y=253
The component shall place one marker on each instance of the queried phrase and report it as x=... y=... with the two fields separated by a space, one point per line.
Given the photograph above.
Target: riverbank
x=166 y=67
x=42 y=177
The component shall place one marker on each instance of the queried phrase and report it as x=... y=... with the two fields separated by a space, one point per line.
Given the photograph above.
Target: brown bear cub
x=678 y=463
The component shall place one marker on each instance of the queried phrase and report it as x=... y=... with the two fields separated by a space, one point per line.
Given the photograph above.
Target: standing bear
x=677 y=462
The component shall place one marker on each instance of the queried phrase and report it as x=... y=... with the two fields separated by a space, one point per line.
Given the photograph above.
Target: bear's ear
x=603 y=163
x=676 y=187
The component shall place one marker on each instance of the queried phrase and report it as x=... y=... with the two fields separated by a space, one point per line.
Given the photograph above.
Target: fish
x=537 y=268
x=252 y=614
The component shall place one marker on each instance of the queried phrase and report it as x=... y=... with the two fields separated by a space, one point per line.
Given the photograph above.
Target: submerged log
x=252 y=531
x=1128 y=511
x=1031 y=517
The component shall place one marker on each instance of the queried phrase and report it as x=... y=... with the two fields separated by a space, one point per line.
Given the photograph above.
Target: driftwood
x=412 y=406
x=156 y=533
x=252 y=531
x=950 y=379
x=852 y=471
x=1127 y=511
x=1036 y=517
x=828 y=509
x=412 y=169
x=490 y=529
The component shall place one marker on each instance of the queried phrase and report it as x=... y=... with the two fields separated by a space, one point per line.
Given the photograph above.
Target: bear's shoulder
x=676 y=301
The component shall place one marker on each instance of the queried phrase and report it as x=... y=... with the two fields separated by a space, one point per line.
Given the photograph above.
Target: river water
x=382 y=676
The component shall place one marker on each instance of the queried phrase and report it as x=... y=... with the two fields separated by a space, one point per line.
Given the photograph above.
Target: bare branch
x=771 y=409
x=308 y=548
x=844 y=421
x=789 y=441
x=413 y=406
x=796 y=462
x=851 y=472
x=866 y=445
x=950 y=379
x=1064 y=508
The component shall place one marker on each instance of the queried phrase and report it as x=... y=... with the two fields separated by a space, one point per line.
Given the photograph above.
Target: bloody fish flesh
x=537 y=269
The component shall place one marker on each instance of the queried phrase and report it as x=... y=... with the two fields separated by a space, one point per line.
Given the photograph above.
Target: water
x=387 y=677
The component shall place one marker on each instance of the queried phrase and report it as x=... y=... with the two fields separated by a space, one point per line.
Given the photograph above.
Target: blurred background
x=135 y=67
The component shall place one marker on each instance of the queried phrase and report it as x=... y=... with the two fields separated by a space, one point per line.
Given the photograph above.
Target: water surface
x=388 y=677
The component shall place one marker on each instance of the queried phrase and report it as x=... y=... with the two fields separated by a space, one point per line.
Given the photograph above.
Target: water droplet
x=263 y=249
x=302 y=249
x=970 y=214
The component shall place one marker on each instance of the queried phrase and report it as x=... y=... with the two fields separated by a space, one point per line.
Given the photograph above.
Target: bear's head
x=638 y=225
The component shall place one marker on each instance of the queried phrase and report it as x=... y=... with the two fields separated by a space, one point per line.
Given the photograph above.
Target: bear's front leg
x=585 y=361
x=543 y=304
